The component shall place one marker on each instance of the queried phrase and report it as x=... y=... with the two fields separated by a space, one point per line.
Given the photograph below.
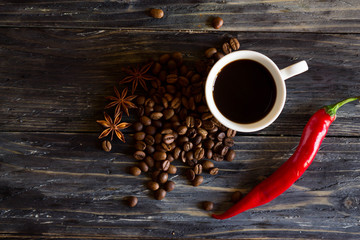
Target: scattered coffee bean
x=230 y=155
x=229 y=142
x=140 y=145
x=210 y=52
x=234 y=43
x=146 y=121
x=135 y=171
x=139 y=155
x=139 y=136
x=132 y=201
x=198 y=180
x=106 y=146
x=209 y=153
x=207 y=164
x=217 y=157
x=160 y=194
x=218 y=56
x=172 y=169
x=214 y=171
x=169 y=186
x=149 y=161
x=152 y=185
x=199 y=153
x=190 y=174
x=217 y=22
x=198 y=169
x=159 y=156
x=168 y=138
x=165 y=165
x=236 y=196
x=226 y=48
x=163 y=177
x=230 y=133
x=156 y=13
x=143 y=166
x=207 y=205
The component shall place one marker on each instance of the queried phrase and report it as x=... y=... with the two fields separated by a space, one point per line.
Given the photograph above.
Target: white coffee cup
x=278 y=75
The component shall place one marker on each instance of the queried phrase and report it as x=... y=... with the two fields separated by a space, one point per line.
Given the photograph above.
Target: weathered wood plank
x=56 y=80
x=56 y=185
x=241 y=15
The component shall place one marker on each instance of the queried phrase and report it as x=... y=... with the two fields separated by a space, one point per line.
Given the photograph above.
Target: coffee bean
x=206 y=116
x=203 y=133
x=217 y=157
x=177 y=152
x=207 y=205
x=165 y=165
x=236 y=196
x=223 y=150
x=177 y=56
x=187 y=146
x=234 y=43
x=169 y=186
x=147 y=112
x=207 y=164
x=168 y=139
x=150 y=149
x=156 y=68
x=203 y=109
x=131 y=201
x=157 y=13
x=139 y=155
x=156 y=115
x=183 y=81
x=175 y=103
x=208 y=125
x=146 y=121
x=217 y=147
x=172 y=169
x=166 y=147
x=195 y=78
x=208 y=143
x=190 y=121
x=217 y=22
x=191 y=133
x=197 y=140
x=198 y=123
x=198 y=180
x=170 y=156
x=229 y=142
x=163 y=177
x=140 y=100
x=155 y=174
x=149 y=140
x=158 y=138
x=149 y=103
x=226 y=48
x=210 y=52
x=140 y=145
x=139 y=136
x=152 y=185
x=218 y=56
x=137 y=126
x=209 y=153
x=183 y=156
x=135 y=171
x=168 y=113
x=151 y=130
x=172 y=66
x=143 y=166
x=214 y=171
x=181 y=130
x=159 y=156
x=230 y=133
x=198 y=169
x=199 y=153
x=149 y=161
x=160 y=194
x=140 y=111
x=230 y=155
x=220 y=136
x=106 y=146
x=190 y=174
x=171 y=78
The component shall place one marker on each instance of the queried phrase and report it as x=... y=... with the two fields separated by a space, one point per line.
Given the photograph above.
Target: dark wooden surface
x=58 y=61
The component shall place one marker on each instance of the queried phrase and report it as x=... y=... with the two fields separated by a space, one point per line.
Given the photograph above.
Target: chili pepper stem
x=331 y=109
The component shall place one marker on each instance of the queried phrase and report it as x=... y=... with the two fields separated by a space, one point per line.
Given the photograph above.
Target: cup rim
x=279 y=83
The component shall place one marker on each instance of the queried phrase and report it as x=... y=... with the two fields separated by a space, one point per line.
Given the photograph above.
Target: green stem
x=331 y=109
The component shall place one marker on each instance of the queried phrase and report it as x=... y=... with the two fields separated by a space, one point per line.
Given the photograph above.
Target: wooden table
x=60 y=58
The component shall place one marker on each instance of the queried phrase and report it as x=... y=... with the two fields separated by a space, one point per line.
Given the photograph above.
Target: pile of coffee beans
x=174 y=123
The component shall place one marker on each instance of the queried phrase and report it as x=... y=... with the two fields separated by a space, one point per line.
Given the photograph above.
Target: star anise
x=122 y=102
x=113 y=126
x=138 y=75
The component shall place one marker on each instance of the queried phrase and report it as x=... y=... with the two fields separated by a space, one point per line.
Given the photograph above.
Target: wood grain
x=57 y=185
x=56 y=80
x=325 y=16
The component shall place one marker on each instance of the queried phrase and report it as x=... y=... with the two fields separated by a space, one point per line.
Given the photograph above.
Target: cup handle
x=293 y=70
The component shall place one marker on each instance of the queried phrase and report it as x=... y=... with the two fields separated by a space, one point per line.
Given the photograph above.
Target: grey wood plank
x=239 y=15
x=62 y=185
x=56 y=80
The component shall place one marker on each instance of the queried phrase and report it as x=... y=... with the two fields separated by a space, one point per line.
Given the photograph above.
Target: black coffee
x=244 y=91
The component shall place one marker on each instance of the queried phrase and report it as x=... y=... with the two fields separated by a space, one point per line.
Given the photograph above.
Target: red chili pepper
x=312 y=136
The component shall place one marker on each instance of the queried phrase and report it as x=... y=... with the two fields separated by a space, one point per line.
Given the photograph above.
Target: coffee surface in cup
x=244 y=91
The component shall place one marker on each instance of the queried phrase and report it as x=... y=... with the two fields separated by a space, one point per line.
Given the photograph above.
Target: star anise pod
x=138 y=75
x=113 y=126
x=122 y=102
